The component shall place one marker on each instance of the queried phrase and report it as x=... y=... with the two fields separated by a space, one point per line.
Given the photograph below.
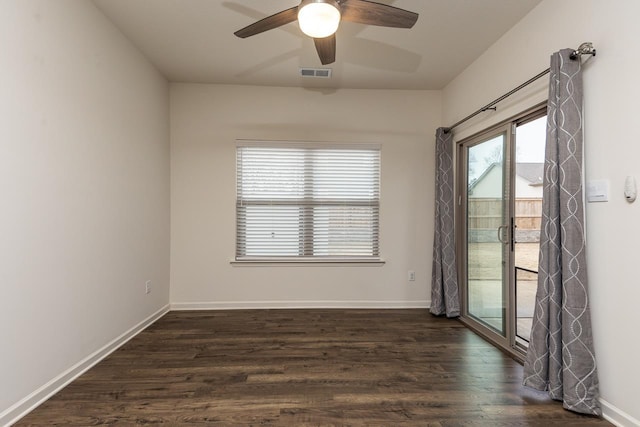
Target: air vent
x=320 y=73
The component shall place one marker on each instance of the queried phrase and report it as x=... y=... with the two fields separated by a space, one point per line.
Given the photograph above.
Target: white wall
x=489 y=185
x=524 y=189
x=84 y=181
x=612 y=151
x=205 y=122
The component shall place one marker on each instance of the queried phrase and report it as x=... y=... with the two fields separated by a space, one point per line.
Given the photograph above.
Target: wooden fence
x=485 y=213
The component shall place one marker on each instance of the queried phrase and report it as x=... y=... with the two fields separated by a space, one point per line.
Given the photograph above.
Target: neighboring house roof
x=531 y=172
x=481 y=177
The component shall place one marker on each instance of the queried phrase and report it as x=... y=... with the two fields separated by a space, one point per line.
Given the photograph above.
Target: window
x=307 y=201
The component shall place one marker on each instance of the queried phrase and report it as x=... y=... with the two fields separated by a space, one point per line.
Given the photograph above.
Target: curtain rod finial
x=585 y=48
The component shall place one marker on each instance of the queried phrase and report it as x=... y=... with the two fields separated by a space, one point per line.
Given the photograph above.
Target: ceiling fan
x=319 y=19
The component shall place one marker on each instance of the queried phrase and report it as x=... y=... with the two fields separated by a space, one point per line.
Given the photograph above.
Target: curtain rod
x=584 y=49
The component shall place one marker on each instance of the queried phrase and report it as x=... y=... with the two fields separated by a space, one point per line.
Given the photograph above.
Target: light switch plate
x=598 y=191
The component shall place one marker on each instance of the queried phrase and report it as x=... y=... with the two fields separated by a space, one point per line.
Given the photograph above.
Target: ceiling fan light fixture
x=319 y=18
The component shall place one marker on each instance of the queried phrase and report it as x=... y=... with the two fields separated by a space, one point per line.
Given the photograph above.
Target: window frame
x=306 y=256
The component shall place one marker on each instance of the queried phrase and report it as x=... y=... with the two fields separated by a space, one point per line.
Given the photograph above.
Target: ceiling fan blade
x=269 y=23
x=372 y=13
x=326 y=48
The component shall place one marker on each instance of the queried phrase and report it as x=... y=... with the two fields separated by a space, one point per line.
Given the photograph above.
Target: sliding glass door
x=487 y=229
x=500 y=198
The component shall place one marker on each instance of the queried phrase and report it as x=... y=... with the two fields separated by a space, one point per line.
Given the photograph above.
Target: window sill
x=329 y=262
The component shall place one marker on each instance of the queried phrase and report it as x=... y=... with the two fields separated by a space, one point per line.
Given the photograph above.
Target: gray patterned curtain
x=444 y=276
x=560 y=358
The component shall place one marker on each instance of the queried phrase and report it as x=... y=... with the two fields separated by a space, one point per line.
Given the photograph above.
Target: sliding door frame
x=467 y=317
x=506 y=343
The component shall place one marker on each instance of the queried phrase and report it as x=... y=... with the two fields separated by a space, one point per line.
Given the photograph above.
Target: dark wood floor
x=305 y=368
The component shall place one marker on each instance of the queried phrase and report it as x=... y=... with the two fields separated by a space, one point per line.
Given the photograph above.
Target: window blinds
x=300 y=201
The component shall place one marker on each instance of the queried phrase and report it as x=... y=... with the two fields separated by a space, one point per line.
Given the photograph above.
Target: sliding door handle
x=501 y=236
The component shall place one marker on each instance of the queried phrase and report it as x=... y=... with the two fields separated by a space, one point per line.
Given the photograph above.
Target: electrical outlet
x=147 y=287
x=412 y=276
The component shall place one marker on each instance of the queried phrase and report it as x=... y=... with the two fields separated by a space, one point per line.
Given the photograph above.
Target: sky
x=530 y=142
x=530 y=139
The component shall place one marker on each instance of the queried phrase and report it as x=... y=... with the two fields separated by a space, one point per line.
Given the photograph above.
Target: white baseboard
x=240 y=305
x=33 y=400
x=616 y=416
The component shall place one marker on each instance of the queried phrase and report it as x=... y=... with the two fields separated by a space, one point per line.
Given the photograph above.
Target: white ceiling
x=193 y=41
